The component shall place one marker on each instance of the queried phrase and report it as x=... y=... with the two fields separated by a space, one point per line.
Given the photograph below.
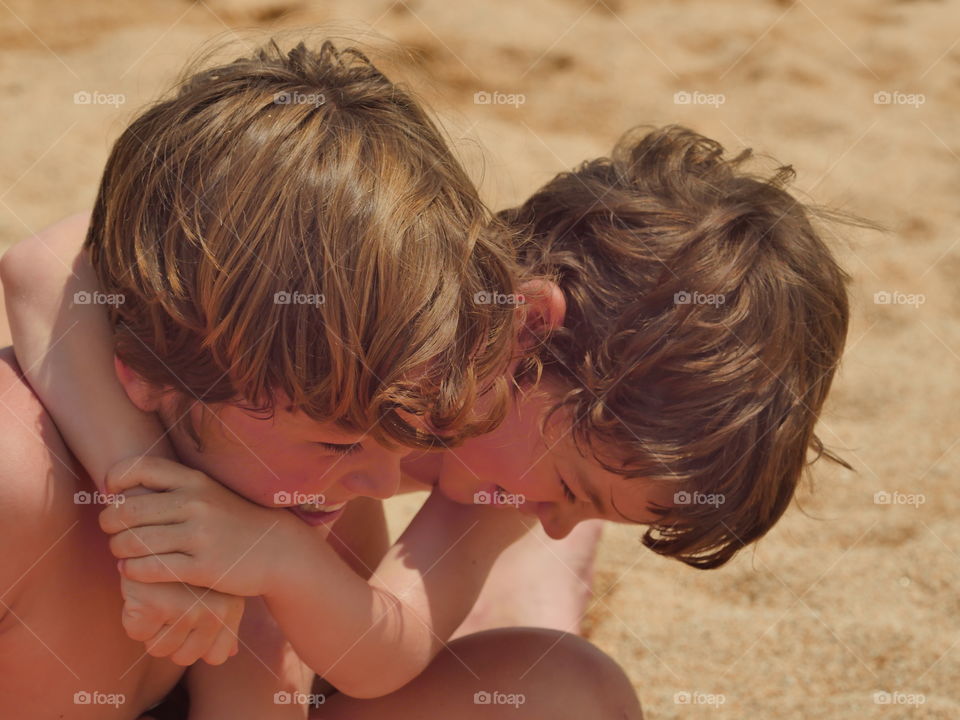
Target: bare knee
x=554 y=674
x=545 y=674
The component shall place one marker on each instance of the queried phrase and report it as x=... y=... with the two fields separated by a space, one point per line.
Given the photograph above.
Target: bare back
x=65 y=653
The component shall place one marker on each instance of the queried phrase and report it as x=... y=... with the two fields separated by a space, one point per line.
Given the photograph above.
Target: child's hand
x=195 y=530
x=181 y=622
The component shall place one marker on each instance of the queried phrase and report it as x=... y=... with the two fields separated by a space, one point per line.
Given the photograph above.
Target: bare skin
x=43 y=602
x=510 y=673
x=60 y=605
x=61 y=590
x=5 y=338
x=537 y=582
x=61 y=610
x=553 y=577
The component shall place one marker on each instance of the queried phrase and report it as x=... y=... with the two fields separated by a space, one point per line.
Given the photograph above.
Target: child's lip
x=318 y=517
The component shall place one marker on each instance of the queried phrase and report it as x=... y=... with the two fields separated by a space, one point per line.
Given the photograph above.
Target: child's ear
x=543 y=310
x=141 y=393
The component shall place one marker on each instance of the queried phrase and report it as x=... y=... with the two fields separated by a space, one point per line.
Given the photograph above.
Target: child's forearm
x=65 y=349
x=371 y=638
x=358 y=637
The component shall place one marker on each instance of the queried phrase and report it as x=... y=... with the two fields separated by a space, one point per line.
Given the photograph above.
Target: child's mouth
x=317 y=514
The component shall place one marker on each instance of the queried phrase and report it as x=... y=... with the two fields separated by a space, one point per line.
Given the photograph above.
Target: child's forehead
x=288 y=414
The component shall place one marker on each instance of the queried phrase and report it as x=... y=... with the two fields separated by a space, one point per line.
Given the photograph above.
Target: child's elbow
x=42 y=263
x=20 y=267
x=370 y=690
x=26 y=271
x=373 y=684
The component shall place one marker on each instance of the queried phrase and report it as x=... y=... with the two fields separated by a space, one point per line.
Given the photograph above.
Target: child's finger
x=140 y=623
x=224 y=646
x=167 y=640
x=151 y=509
x=197 y=644
x=148 y=540
x=171 y=567
x=154 y=473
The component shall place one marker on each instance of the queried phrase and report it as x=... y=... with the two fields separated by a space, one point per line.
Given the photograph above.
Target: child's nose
x=378 y=483
x=379 y=477
x=557 y=523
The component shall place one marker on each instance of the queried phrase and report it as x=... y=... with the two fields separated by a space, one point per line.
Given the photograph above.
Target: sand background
x=846 y=597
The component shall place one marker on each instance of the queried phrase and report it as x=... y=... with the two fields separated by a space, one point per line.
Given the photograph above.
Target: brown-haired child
x=687 y=325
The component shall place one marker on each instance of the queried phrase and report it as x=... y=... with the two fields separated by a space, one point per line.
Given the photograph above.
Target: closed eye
x=568 y=493
x=338 y=449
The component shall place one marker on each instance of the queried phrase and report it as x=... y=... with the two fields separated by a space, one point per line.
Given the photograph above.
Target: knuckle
x=108 y=520
x=142 y=569
x=156 y=650
x=204 y=537
x=149 y=464
x=195 y=507
x=196 y=477
x=117 y=471
x=183 y=658
x=137 y=630
x=116 y=544
x=133 y=617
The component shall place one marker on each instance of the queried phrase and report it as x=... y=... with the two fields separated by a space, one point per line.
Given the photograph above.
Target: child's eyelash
x=341 y=449
x=567 y=491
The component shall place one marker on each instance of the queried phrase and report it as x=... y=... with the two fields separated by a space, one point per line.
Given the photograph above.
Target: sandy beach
x=849 y=608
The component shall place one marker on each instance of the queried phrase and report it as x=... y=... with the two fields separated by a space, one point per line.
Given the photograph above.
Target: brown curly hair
x=705 y=321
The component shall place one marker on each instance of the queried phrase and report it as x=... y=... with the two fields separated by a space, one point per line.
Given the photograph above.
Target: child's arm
x=65 y=350
x=372 y=638
x=367 y=638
